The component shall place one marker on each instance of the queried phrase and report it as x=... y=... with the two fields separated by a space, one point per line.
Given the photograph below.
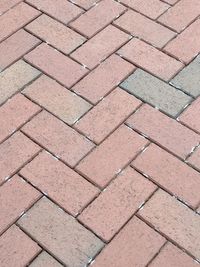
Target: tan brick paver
x=99 y=133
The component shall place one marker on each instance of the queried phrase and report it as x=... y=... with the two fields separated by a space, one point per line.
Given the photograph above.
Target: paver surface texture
x=100 y=133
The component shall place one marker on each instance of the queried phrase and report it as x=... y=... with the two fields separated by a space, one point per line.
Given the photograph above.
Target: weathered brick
x=170 y=173
x=16 y=18
x=165 y=131
x=104 y=78
x=191 y=115
x=15 y=197
x=97 y=17
x=58 y=137
x=135 y=245
x=156 y=92
x=44 y=259
x=194 y=159
x=14 y=113
x=6 y=5
x=15 y=47
x=57 y=99
x=15 y=152
x=144 y=28
x=175 y=220
x=55 y=64
x=55 y=33
x=98 y=123
x=183 y=79
x=59 y=182
x=64 y=237
x=150 y=8
x=150 y=59
x=170 y=256
x=14 y=78
x=104 y=162
x=62 y=10
x=181 y=15
x=100 y=46
x=187 y=44
x=110 y=211
x=17 y=249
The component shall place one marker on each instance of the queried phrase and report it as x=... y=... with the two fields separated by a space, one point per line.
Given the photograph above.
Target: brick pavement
x=99 y=133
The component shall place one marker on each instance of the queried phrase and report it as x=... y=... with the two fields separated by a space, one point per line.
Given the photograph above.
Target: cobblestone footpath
x=100 y=133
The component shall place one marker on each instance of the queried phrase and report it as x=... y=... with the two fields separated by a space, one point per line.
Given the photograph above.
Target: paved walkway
x=99 y=133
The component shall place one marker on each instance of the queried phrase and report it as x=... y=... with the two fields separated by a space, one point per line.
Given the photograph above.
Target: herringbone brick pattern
x=99 y=133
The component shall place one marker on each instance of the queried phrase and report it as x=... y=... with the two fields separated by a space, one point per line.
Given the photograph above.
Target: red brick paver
x=99 y=133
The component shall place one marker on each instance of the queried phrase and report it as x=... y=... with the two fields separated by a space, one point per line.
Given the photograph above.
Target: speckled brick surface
x=99 y=133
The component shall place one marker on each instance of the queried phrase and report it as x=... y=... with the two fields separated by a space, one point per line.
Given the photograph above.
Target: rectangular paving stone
x=106 y=160
x=156 y=92
x=60 y=234
x=175 y=220
x=14 y=153
x=6 y=5
x=100 y=46
x=14 y=113
x=181 y=15
x=144 y=28
x=184 y=81
x=104 y=78
x=14 y=78
x=56 y=65
x=58 y=138
x=170 y=173
x=66 y=187
x=170 y=256
x=15 y=47
x=16 y=18
x=97 y=17
x=187 y=44
x=105 y=117
x=57 y=99
x=150 y=8
x=150 y=59
x=135 y=245
x=44 y=259
x=17 y=249
x=61 y=10
x=112 y=209
x=165 y=131
x=170 y=2
x=55 y=33
x=194 y=159
x=191 y=115
x=15 y=197
x=86 y=4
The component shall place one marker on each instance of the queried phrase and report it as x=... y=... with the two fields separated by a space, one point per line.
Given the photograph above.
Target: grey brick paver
x=188 y=79
x=156 y=92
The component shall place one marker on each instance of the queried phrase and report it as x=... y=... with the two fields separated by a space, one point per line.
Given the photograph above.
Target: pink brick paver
x=123 y=196
x=151 y=59
x=99 y=133
x=105 y=117
x=170 y=173
x=17 y=249
x=57 y=181
x=104 y=78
